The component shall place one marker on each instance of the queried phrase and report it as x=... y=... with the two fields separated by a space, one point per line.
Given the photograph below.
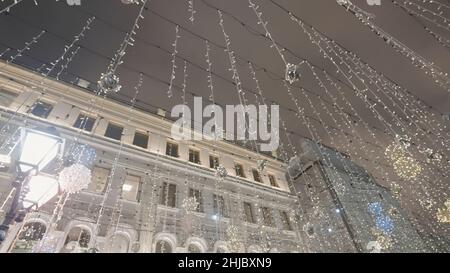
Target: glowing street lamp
x=38 y=149
x=32 y=190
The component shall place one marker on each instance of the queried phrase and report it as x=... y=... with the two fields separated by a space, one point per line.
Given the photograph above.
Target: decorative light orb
x=221 y=172
x=190 y=204
x=427 y=203
x=431 y=156
x=262 y=163
x=395 y=151
x=443 y=215
x=407 y=168
x=385 y=241
x=292 y=73
x=74 y=178
x=109 y=82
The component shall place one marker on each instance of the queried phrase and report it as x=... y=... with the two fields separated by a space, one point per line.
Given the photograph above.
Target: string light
x=174 y=65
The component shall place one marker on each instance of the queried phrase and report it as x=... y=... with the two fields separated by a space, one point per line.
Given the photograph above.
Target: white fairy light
x=75 y=178
x=173 y=61
x=109 y=81
x=439 y=77
x=190 y=204
x=443 y=214
x=8 y=8
x=27 y=47
x=191 y=10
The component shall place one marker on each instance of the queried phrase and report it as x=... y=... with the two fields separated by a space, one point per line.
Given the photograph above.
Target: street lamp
x=38 y=147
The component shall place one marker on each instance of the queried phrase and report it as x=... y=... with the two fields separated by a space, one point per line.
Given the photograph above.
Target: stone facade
x=136 y=200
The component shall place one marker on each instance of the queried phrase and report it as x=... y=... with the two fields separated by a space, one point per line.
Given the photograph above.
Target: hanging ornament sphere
x=443 y=215
x=221 y=172
x=74 y=178
x=190 y=204
x=407 y=167
x=109 y=82
x=395 y=151
x=292 y=73
x=262 y=163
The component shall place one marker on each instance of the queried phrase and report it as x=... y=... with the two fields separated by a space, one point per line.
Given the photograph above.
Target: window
x=193 y=248
x=198 y=196
x=168 y=195
x=6 y=97
x=99 y=180
x=140 y=140
x=248 y=210
x=114 y=131
x=85 y=123
x=130 y=188
x=285 y=220
x=30 y=235
x=194 y=156
x=163 y=247
x=41 y=109
x=172 y=149
x=77 y=238
x=256 y=175
x=239 y=170
x=219 y=206
x=213 y=162
x=273 y=181
x=267 y=217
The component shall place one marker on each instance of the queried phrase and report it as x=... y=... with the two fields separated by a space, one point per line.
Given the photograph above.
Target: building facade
x=345 y=210
x=148 y=193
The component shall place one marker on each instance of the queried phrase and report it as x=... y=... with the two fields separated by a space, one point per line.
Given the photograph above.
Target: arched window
x=119 y=243
x=30 y=235
x=163 y=246
x=77 y=240
x=221 y=249
x=194 y=248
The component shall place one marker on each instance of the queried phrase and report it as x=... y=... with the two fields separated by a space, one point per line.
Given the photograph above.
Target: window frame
x=106 y=182
x=242 y=175
x=286 y=221
x=214 y=161
x=139 y=186
x=273 y=182
x=146 y=135
x=33 y=107
x=222 y=210
x=165 y=190
x=172 y=143
x=81 y=123
x=267 y=215
x=256 y=178
x=195 y=153
x=8 y=92
x=252 y=213
x=111 y=123
x=199 y=197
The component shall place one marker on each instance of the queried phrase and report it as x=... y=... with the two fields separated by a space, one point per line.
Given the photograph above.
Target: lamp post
x=38 y=147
